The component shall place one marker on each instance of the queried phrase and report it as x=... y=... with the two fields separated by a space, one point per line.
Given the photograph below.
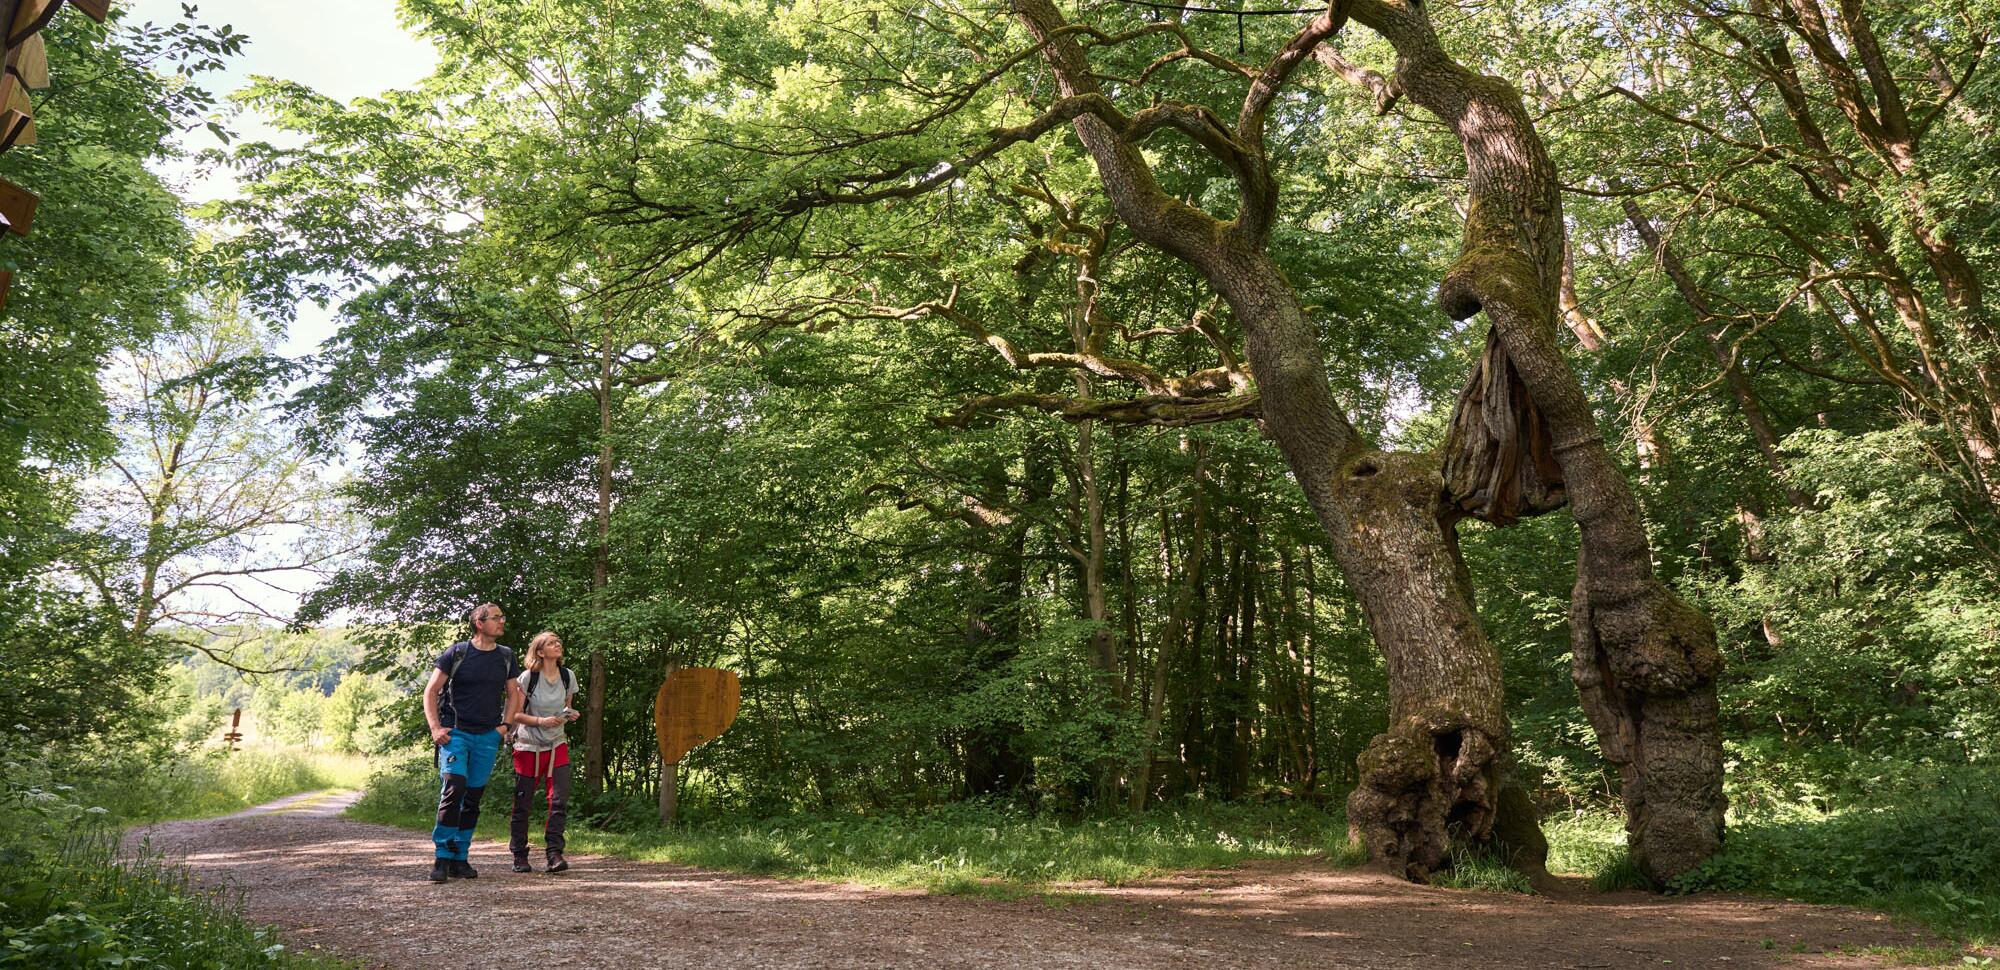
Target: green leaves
x=668 y=184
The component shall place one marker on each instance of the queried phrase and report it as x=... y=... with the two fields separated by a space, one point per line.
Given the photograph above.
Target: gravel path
x=359 y=891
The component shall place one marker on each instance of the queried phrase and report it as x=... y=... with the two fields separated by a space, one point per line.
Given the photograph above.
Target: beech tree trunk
x=670 y=774
x=1171 y=638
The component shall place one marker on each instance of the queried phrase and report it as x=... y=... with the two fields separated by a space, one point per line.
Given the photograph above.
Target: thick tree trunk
x=1435 y=775
x=1644 y=661
x=1439 y=764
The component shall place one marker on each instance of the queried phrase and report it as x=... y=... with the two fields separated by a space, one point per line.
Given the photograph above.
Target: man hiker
x=470 y=687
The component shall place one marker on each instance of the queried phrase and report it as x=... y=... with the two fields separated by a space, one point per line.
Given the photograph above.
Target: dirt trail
x=359 y=891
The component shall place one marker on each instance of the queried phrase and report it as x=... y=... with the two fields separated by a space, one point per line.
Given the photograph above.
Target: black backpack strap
x=460 y=649
x=445 y=701
x=506 y=664
x=564 y=675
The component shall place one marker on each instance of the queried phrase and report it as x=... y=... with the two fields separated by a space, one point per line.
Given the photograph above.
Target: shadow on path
x=359 y=891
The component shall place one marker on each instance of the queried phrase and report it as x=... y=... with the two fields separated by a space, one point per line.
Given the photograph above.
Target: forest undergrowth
x=69 y=899
x=198 y=785
x=987 y=847
x=1912 y=842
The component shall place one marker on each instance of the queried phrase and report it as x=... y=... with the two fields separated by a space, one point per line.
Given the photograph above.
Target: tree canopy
x=1453 y=410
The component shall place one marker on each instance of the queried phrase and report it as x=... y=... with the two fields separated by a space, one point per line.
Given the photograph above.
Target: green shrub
x=77 y=906
x=408 y=788
x=1920 y=845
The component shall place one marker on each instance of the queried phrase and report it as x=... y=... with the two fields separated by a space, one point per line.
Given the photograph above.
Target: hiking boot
x=557 y=863
x=521 y=863
x=440 y=871
x=461 y=869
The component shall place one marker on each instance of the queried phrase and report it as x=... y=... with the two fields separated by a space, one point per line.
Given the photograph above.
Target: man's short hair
x=479 y=613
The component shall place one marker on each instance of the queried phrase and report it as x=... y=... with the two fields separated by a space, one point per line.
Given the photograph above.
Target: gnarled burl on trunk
x=1644 y=662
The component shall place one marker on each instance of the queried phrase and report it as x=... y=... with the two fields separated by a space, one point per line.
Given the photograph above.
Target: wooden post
x=17 y=206
x=670 y=794
x=670 y=771
x=24 y=57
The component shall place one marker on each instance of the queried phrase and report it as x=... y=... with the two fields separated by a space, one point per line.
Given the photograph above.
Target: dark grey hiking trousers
x=556 y=784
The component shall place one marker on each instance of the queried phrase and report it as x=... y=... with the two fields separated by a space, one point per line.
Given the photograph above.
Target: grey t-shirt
x=548 y=700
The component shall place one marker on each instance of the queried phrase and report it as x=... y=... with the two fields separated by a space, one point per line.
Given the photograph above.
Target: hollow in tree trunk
x=1645 y=662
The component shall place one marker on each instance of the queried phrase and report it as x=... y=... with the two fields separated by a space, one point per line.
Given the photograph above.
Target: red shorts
x=538 y=764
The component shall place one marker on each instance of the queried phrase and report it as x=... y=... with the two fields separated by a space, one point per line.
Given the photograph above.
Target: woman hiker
x=541 y=752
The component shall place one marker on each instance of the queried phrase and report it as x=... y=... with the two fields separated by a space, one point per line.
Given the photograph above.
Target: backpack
x=535 y=677
x=463 y=649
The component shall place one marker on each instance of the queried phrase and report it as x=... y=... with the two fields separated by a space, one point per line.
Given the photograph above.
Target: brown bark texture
x=1433 y=779
x=1644 y=661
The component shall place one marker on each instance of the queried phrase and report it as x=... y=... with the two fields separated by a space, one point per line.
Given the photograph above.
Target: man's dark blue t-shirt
x=475 y=699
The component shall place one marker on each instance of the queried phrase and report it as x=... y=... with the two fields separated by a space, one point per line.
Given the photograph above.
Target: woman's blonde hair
x=535 y=646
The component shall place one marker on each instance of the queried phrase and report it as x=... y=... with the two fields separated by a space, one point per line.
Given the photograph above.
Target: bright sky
x=342 y=48
x=345 y=49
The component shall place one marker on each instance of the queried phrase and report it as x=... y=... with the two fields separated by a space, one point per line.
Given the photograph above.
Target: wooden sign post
x=694 y=706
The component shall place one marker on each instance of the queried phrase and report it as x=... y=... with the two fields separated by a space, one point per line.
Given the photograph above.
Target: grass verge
x=1917 y=846
x=139 y=791
x=1917 y=852
x=972 y=848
